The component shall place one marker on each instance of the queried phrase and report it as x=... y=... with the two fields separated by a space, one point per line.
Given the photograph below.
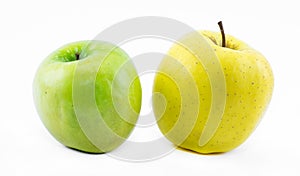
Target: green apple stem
x=223 y=33
x=77 y=56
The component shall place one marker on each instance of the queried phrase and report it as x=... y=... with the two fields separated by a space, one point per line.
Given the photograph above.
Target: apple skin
x=249 y=86
x=53 y=94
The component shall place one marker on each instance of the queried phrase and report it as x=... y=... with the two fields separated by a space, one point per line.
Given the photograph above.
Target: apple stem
x=77 y=56
x=223 y=33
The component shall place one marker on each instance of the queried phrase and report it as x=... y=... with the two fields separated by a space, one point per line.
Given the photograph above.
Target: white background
x=30 y=30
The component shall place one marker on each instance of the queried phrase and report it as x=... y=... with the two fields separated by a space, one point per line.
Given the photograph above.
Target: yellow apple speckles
x=249 y=86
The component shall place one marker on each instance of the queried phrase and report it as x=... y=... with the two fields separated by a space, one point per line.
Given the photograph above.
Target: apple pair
x=88 y=94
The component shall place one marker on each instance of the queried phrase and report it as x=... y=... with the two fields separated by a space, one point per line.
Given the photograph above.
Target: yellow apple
x=248 y=90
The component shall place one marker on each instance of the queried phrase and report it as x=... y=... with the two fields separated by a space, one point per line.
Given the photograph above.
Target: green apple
x=88 y=95
x=248 y=90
